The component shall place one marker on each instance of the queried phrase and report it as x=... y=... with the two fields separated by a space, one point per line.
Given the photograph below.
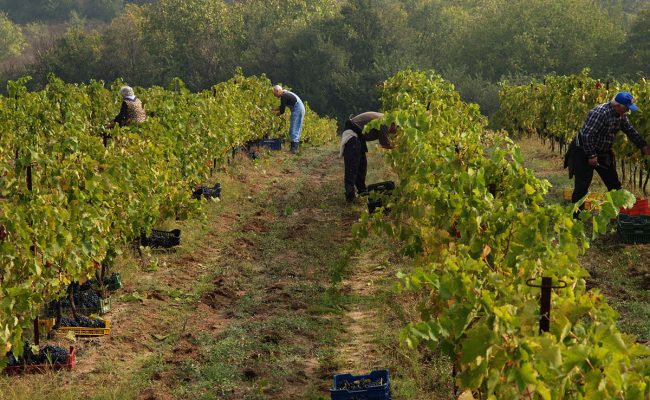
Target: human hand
x=593 y=161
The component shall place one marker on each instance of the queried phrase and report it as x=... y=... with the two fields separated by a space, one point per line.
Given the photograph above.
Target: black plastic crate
x=271 y=144
x=627 y=220
x=382 y=187
x=245 y=150
x=207 y=192
x=634 y=229
x=161 y=239
x=373 y=386
x=377 y=192
x=375 y=204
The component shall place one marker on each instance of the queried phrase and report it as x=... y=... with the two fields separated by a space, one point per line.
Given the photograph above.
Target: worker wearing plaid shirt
x=593 y=145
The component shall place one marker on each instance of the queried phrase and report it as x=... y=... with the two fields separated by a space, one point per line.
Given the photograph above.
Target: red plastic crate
x=641 y=207
x=41 y=368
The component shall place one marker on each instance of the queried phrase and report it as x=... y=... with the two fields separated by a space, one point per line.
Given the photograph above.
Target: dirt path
x=244 y=310
x=358 y=351
x=257 y=330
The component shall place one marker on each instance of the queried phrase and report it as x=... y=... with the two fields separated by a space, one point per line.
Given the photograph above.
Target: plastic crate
x=641 y=207
x=45 y=325
x=271 y=144
x=207 y=192
x=161 y=239
x=244 y=150
x=381 y=391
x=634 y=229
x=382 y=187
x=375 y=204
x=375 y=201
x=81 y=331
x=113 y=286
x=103 y=308
x=112 y=283
x=41 y=368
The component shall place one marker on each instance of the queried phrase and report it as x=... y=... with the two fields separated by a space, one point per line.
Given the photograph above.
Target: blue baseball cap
x=625 y=98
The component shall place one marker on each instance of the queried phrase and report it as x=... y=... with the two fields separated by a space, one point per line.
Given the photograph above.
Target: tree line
x=334 y=53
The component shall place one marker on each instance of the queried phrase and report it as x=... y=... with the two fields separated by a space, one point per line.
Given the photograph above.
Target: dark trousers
x=584 y=173
x=356 y=167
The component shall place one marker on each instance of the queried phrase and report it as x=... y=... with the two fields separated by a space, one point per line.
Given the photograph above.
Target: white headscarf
x=345 y=137
x=127 y=92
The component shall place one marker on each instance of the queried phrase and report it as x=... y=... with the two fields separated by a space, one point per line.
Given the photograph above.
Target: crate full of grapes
x=161 y=239
x=373 y=386
x=100 y=306
x=84 y=326
x=48 y=358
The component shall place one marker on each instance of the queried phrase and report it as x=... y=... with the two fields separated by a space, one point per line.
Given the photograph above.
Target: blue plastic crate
x=374 y=386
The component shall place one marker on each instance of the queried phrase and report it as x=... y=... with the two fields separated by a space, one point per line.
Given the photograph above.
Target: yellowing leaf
x=486 y=252
x=529 y=189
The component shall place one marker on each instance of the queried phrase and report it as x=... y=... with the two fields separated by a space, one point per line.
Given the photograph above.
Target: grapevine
x=72 y=191
x=476 y=222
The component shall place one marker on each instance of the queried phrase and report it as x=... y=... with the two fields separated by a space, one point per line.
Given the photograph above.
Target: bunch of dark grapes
x=12 y=361
x=89 y=284
x=65 y=302
x=83 y=322
x=88 y=299
x=54 y=354
x=48 y=354
x=360 y=384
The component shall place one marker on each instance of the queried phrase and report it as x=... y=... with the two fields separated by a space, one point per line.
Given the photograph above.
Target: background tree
x=59 y=10
x=332 y=52
x=12 y=41
x=535 y=37
x=74 y=58
x=636 y=51
x=124 y=52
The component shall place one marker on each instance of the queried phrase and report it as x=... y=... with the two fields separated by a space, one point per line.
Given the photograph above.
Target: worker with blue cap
x=591 y=149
